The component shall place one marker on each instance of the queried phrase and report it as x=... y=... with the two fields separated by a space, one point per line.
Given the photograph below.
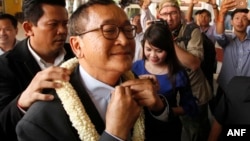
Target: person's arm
x=215 y=131
x=146 y=14
x=192 y=56
x=219 y=33
x=108 y=137
x=215 y=9
x=11 y=102
x=225 y=7
x=189 y=14
x=121 y=103
x=145 y=93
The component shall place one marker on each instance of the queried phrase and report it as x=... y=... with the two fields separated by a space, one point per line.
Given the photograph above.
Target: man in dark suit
x=232 y=110
x=102 y=38
x=28 y=71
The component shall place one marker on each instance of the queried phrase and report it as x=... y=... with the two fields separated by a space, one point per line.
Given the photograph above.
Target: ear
x=27 y=26
x=76 y=44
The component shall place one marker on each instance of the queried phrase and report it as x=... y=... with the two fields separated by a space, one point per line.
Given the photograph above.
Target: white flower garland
x=77 y=114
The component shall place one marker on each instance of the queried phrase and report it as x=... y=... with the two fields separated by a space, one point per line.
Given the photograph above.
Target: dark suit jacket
x=17 y=68
x=47 y=121
x=232 y=111
x=233 y=107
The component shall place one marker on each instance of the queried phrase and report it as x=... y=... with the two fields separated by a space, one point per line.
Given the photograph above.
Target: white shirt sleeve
x=145 y=16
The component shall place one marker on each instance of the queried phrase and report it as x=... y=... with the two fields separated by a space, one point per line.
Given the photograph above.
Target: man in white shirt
x=135 y=20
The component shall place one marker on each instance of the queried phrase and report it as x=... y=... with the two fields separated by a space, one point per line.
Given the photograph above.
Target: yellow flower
x=77 y=114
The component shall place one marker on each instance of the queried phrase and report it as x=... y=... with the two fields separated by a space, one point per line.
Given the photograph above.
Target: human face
x=154 y=55
x=137 y=23
x=7 y=32
x=240 y=22
x=50 y=34
x=204 y=19
x=99 y=56
x=171 y=15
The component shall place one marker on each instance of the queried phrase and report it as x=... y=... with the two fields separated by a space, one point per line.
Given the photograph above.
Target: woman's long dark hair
x=159 y=35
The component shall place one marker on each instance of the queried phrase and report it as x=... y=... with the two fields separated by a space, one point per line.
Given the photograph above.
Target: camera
x=159 y=21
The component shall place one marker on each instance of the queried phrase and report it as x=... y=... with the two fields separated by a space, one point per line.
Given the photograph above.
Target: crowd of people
x=98 y=74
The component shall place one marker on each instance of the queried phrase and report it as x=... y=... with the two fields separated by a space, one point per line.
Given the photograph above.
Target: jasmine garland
x=77 y=114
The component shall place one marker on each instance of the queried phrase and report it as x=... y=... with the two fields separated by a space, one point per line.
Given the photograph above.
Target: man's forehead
x=107 y=15
x=168 y=8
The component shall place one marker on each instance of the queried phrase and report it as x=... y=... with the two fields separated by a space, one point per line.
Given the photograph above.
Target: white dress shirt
x=42 y=63
x=100 y=93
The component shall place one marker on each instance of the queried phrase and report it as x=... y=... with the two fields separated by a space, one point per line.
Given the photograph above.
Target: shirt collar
x=1 y=51
x=42 y=63
x=99 y=90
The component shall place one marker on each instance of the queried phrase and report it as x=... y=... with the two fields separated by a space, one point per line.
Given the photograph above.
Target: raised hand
x=194 y=1
x=145 y=93
x=145 y=4
x=227 y=5
x=43 y=80
x=122 y=112
x=152 y=78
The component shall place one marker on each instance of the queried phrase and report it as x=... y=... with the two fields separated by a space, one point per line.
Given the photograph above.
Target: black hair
x=159 y=35
x=32 y=9
x=80 y=16
x=12 y=19
x=205 y=11
x=134 y=15
x=239 y=11
x=197 y=12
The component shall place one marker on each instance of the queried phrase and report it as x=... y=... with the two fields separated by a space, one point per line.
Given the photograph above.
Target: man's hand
x=42 y=80
x=152 y=78
x=193 y=2
x=144 y=92
x=145 y=4
x=122 y=112
x=227 y=5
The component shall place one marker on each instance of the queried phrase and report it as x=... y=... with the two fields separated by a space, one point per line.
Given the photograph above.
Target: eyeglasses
x=172 y=14
x=111 y=31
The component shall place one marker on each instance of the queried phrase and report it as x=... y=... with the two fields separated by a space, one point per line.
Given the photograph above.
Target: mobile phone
x=241 y=4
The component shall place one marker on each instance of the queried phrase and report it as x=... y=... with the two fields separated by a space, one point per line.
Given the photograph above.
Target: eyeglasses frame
x=119 y=29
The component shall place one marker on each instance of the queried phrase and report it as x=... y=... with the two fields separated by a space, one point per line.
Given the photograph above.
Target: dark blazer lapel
x=22 y=62
x=87 y=102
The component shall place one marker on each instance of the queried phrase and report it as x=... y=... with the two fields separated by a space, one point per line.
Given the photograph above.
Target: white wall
x=21 y=33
